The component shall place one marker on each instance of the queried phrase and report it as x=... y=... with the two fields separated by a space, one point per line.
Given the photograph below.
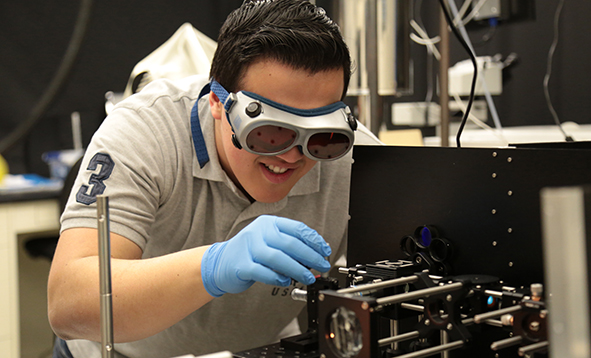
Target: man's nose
x=292 y=155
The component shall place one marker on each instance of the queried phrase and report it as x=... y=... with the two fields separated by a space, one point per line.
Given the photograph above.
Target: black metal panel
x=485 y=201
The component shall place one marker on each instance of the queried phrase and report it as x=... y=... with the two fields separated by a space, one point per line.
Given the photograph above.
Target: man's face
x=270 y=178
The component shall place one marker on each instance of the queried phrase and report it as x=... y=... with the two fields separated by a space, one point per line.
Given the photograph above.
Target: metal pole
x=536 y=347
x=375 y=100
x=419 y=293
x=443 y=79
x=106 y=307
x=433 y=350
x=504 y=343
x=401 y=337
x=498 y=313
x=378 y=285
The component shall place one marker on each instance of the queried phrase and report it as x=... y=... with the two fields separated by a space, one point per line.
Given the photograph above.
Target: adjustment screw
x=253 y=109
x=450 y=326
x=427 y=322
x=364 y=306
x=448 y=298
x=534 y=326
x=321 y=297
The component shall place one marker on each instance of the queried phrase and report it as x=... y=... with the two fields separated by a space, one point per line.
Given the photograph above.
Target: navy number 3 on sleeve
x=96 y=180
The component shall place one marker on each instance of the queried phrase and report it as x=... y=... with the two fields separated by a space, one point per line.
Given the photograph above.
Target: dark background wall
x=33 y=38
x=34 y=35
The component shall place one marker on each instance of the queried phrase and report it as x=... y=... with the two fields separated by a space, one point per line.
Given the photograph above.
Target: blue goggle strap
x=228 y=101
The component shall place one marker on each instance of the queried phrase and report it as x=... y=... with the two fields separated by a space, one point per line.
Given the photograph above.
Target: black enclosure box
x=485 y=202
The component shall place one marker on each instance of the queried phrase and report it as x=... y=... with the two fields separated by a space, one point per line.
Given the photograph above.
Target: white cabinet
x=18 y=218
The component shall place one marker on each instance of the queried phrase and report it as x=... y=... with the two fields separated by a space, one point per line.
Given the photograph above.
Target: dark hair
x=293 y=32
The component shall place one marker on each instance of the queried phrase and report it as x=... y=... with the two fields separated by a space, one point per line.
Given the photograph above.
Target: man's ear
x=216 y=106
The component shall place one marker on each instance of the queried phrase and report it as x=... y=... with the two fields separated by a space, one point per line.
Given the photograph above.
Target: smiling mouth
x=275 y=169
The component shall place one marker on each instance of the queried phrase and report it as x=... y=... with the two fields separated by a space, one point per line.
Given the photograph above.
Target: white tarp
x=187 y=52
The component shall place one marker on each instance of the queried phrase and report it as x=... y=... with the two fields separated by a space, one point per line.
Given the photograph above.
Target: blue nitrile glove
x=271 y=250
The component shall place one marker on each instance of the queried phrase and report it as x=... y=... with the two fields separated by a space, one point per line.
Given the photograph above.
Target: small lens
x=328 y=145
x=426 y=236
x=270 y=139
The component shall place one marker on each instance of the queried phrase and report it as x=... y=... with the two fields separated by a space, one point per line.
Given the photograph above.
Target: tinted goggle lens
x=271 y=139
x=328 y=145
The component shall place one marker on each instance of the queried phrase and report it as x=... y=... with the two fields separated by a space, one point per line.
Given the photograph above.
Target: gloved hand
x=271 y=250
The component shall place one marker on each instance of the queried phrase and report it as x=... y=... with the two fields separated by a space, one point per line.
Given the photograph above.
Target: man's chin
x=270 y=197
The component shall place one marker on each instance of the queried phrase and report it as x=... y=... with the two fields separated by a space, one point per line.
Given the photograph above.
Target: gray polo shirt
x=144 y=158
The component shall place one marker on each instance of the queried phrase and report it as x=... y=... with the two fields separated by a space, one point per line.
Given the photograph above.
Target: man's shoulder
x=363 y=136
x=168 y=90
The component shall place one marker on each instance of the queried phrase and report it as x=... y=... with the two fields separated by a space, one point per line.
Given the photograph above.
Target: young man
x=210 y=220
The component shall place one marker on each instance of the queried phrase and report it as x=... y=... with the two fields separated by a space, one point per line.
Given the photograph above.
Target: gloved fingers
x=306 y=234
x=298 y=251
x=260 y=273
x=281 y=263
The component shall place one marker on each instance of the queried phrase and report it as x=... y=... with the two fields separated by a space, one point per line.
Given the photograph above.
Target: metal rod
x=419 y=293
x=444 y=340
x=371 y=57
x=411 y=307
x=504 y=343
x=378 y=285
x=443 y=79
x=495 y=294
x=104 y=246
x=394 y=332
x=532 y=348
x=498 y=313
x=298 y=294
x=399 y=338
x=433 y=350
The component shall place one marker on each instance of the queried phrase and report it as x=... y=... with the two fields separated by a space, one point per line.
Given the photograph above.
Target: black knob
x=351 y=119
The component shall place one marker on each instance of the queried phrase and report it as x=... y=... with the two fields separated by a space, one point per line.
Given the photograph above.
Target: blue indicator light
x=490 y=300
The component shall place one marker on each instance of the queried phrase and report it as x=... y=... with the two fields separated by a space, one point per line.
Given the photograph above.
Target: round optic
x=345 y=336
x=440 y=249
x=426 y=236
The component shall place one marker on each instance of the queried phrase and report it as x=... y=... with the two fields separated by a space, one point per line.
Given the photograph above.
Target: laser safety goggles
x=264 y=127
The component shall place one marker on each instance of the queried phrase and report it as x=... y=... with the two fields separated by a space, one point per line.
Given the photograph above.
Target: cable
x=487 y=95
x=57 y=82
x=423 y=39
x=473 y=59
x=462 y=12
x=432 y=51
x=492 y=29
x=549 y=71
x=480 y=123
x=471 y=15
